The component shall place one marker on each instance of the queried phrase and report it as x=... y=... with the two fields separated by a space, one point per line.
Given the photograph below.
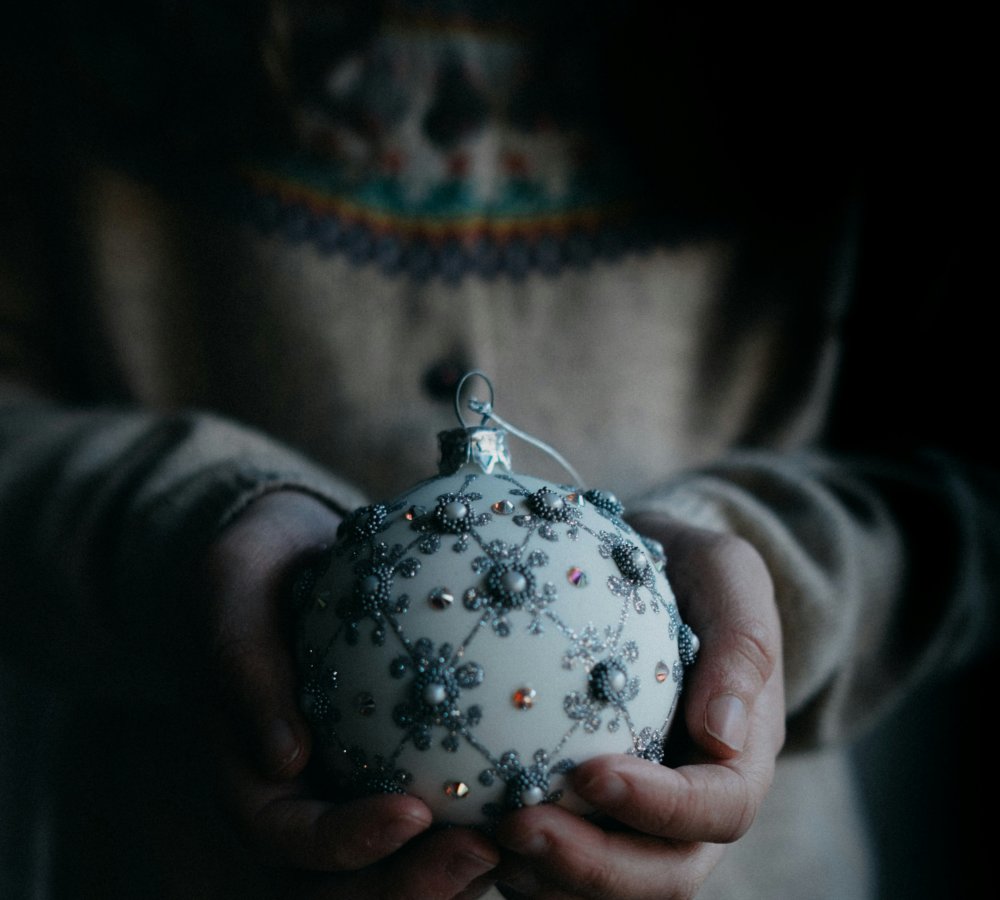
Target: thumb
x=248 y=575
x=726 y=595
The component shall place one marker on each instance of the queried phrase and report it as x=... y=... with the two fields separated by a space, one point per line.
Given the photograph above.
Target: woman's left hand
x=670 y=825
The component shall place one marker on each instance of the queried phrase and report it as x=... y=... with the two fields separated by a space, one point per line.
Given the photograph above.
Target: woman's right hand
x=307 y=845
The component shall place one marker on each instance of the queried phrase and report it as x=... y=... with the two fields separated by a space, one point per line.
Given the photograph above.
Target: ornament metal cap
x=480 y=446
x=486 y=447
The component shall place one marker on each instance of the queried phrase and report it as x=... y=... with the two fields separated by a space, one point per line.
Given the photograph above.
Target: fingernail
x=281 y=747
x=605 y=790
x=522 y=880
x=405 y=828
x=726 y=720
x=468 y=866
x=530 y=843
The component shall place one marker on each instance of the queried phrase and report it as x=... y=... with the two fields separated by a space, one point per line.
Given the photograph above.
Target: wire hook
x=485 y=409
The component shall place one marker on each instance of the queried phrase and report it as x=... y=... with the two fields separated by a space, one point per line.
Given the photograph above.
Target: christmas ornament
x=472 y=640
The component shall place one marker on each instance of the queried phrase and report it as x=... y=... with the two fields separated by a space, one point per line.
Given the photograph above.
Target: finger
x=583 y=860
x=441 y=865
x=518 y=878
x=530 y=885
x=726 y=594
x=479 y=886
x=714 y=803
x=248 y=575
x=258 y=694
x=286 y=826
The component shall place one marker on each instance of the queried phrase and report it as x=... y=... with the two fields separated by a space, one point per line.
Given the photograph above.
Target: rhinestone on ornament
x=524 y=697
x=456 y=789
x=503 y=508
x=576 y=577
x=441 y=598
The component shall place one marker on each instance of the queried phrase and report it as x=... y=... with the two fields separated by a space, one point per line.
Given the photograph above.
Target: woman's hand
x=669 y=824
x=308 y=846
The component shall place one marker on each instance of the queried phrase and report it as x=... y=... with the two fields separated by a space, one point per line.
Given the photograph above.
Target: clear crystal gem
x=441 y=598
x=524 y=697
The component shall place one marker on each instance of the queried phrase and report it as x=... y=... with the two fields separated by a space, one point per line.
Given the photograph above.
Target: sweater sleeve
x=882 y=571
x=102 y=510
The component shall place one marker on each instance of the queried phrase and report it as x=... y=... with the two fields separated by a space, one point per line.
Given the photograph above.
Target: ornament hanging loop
x=485 y=409
x=478 y=406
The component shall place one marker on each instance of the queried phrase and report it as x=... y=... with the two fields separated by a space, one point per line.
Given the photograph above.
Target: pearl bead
x=514 y=581
x=369 y=584
x=435 y=694
x=532 y=796
x=617 y=680
x=456 y=510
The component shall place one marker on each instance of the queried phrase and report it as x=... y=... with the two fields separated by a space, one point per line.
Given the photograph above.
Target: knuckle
x=603 y=881
x=756 y=642
x=591 y=874
x=744 y=811
x=741 y=826
x=735 y=562
x=739 y=559
x=699 y=861
x=667 y=815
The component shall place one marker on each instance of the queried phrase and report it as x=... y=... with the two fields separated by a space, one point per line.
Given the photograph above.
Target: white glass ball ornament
x=472 y=640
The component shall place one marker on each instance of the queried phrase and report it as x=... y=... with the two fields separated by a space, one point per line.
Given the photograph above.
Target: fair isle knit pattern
x=431 y=150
